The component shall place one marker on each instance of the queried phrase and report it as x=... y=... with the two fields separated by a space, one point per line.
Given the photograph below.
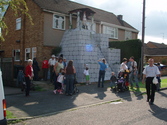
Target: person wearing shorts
x=86 y=73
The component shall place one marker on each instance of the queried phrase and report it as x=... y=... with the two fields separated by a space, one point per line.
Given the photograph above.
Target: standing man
x=129 y=64
x=52 y=62
x=133 y=76
x=148 y=75
x=103 y=67
x=45 y=69
x=36 y=69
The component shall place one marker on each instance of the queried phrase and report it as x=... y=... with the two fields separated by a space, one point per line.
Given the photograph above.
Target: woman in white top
x=123 y=67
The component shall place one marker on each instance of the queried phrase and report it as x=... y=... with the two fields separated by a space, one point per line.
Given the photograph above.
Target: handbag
x=60 y=78
x=155 y=80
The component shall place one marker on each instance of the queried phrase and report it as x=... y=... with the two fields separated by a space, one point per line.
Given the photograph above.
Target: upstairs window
x=58 y=22
x=113 y=32
x=128 y=35
x=90 y=25
x=18 y=23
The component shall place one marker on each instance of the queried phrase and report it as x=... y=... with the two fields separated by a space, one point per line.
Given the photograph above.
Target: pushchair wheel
x=77 y=91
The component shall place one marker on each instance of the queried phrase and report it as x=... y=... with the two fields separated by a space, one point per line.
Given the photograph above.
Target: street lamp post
x=143 y=34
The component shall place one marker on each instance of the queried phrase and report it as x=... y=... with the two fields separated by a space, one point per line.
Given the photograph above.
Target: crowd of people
x=62 y=75
x=57 y=70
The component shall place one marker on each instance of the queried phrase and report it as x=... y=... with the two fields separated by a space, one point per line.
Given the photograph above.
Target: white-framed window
x=58 y=22
x=34 y=52
x=18 y=23
x=128 y=35
x=27 y=53
x=112 y=31
x=90 y=25
x=16 y=54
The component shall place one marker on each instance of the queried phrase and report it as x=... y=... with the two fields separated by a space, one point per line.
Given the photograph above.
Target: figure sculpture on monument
x=84 y=21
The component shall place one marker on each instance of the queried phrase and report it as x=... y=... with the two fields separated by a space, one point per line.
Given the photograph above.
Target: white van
x=3 y=120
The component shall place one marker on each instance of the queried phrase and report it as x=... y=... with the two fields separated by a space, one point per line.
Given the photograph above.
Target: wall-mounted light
x=17 y=41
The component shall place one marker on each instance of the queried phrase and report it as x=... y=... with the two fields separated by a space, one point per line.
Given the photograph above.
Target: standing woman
x=123 y=68
x=28 y=76
x=103 y=67
x=70 y=71
x=59 y=65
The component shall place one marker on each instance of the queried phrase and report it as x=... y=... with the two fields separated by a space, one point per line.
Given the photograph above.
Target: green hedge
x=128 y=48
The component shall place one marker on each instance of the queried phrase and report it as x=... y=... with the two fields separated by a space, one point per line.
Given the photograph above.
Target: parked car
x=161 y=65
x=3 y=120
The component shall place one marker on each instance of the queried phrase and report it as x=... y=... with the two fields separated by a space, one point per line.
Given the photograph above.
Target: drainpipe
x=23 y=39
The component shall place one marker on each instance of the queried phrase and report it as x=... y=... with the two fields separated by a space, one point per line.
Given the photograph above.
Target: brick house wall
x=29 y=35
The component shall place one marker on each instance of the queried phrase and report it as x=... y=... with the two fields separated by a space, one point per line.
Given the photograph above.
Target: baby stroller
x=122 y=83
x=76 y=90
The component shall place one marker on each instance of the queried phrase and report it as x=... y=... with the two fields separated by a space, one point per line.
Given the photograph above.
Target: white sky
x=155 y=21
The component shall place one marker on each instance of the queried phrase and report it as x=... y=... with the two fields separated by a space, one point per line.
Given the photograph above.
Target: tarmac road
x=130 y=111
x=44 y=103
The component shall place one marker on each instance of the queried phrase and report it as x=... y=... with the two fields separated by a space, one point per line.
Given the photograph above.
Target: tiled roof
x=156 y=51
x=156 y=45
x=64 y=6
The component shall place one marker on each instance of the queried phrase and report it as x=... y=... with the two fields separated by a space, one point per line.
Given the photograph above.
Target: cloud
x=156 y=23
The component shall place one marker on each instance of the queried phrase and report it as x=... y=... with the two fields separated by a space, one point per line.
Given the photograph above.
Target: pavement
x=46 y=103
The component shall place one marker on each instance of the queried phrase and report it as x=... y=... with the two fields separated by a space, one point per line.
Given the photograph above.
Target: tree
x=17 y=6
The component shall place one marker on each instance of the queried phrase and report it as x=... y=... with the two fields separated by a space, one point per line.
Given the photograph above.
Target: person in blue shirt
x=103 y=67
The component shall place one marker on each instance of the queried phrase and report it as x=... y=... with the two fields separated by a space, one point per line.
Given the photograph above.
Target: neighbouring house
x=51 y=19
x=157 y=51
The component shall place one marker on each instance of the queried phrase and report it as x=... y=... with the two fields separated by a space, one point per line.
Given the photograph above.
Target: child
x=21 y=79
x=86 y=74
x=60 y=80
x=113 y=80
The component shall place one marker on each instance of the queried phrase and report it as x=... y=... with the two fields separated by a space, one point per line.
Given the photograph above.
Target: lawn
x=143 y=89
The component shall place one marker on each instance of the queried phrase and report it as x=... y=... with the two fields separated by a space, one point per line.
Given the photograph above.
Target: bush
x=56 y=51
x=128 y=48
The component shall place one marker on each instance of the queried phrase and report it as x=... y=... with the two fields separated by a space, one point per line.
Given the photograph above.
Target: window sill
x=59 y=29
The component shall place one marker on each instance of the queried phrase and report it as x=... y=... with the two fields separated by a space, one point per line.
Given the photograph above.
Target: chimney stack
x=120 y=17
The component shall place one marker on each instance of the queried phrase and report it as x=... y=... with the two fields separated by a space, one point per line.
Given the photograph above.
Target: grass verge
x=10 y=115
x=143 y=88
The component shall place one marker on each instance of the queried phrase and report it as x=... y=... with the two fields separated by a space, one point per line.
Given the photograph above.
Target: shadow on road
x=158 y=112
x=163 y=94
